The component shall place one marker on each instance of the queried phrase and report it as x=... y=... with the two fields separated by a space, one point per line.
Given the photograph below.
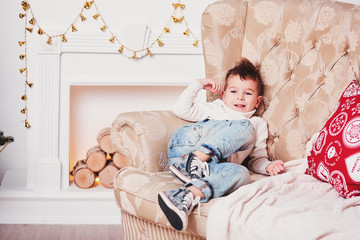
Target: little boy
x=207 y=154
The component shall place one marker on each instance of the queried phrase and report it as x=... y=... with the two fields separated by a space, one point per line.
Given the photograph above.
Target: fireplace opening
x=94 y=108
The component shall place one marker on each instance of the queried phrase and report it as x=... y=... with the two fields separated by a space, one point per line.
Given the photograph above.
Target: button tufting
x=326 y=73
x=296 y=111
x=277 y=39
x=275 y=137
x=321 y=81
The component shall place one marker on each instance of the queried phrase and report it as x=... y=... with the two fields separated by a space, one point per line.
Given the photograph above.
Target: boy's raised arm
x=186 y=108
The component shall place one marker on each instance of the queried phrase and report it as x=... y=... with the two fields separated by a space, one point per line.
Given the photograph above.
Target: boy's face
x=241 y=95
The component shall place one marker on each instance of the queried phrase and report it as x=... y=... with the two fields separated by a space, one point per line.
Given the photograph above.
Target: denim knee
x=243 y=178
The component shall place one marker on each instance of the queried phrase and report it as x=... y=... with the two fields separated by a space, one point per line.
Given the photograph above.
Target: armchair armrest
x=143 y=137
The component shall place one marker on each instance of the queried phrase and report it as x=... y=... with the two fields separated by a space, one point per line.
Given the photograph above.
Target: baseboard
x=19 y=205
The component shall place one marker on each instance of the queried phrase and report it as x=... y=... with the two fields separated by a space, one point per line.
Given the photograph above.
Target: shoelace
x=196 y=202
x=206 y=170
x=199 y=168
x=189 y=202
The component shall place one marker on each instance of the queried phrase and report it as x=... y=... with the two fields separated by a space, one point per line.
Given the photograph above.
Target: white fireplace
x=43 y=193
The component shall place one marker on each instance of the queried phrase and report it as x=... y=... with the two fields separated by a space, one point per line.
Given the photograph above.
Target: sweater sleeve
x=186 y=108
x=259 y=157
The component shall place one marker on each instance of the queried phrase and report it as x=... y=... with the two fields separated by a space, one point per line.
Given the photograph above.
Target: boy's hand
x=210 y=85
x=275 y=167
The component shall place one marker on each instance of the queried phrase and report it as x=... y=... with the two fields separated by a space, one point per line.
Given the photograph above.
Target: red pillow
x=335 y=155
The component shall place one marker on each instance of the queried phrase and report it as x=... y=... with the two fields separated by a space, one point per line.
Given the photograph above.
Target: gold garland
x=176 y=17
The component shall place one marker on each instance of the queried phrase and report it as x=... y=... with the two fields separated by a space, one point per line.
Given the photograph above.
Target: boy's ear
x=258 y=101
x=222 y=95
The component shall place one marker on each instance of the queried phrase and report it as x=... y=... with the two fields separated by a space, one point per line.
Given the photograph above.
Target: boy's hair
x=245 y=69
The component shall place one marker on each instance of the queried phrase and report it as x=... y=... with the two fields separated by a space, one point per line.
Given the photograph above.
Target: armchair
x=307 y=60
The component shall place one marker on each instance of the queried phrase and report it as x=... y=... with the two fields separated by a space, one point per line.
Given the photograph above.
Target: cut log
x=120 y=160
x=104 y=140
x=96 y=159
x=83 y=176
x=107 y=175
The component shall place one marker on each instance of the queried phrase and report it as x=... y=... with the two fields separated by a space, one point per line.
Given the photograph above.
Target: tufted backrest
x=309 y=52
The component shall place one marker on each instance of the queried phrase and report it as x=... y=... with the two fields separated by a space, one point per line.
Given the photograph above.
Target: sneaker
x=177 y=205
x=194 y=169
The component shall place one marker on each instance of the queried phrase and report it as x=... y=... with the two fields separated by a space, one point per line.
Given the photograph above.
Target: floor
x=60 y=232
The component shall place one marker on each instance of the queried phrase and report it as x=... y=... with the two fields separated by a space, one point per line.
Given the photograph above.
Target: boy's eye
x=233 y=91
x=248 y=93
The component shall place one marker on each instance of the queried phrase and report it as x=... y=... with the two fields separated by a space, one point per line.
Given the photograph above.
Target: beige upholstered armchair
x=309 y=52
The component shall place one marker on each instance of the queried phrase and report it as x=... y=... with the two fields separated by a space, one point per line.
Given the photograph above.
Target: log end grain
x=107 y=175
x=107 y=145
x=96 y=159
x=120 y=160
x=83 y=176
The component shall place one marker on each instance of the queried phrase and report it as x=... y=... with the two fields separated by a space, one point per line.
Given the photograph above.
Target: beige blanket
x=291 y=205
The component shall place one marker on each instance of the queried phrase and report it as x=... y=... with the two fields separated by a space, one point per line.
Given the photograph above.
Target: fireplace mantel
x=42 y=193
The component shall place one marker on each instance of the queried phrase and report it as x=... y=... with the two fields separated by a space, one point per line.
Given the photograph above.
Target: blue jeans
x=219 y=139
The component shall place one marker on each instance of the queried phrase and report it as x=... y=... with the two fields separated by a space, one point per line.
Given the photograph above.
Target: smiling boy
x=207 y=154
x=241 y=95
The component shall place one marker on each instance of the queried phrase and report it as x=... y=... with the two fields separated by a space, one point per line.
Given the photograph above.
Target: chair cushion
x=335 y=156
x=136 y=193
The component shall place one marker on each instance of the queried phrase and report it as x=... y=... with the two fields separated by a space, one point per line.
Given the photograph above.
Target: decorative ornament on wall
x=23 y=57
x=31 y=25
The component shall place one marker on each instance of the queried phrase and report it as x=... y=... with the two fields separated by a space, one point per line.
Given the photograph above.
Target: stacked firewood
x=102 y=161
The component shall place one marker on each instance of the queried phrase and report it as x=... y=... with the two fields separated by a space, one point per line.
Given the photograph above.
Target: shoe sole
x=179 y=174
x=172 y=213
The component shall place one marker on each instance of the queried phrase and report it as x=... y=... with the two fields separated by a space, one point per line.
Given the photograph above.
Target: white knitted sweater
x=187 y=109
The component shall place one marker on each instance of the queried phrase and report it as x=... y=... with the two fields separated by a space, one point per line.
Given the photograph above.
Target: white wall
x=58 y=15
x=11 y=87
x=92 y=108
